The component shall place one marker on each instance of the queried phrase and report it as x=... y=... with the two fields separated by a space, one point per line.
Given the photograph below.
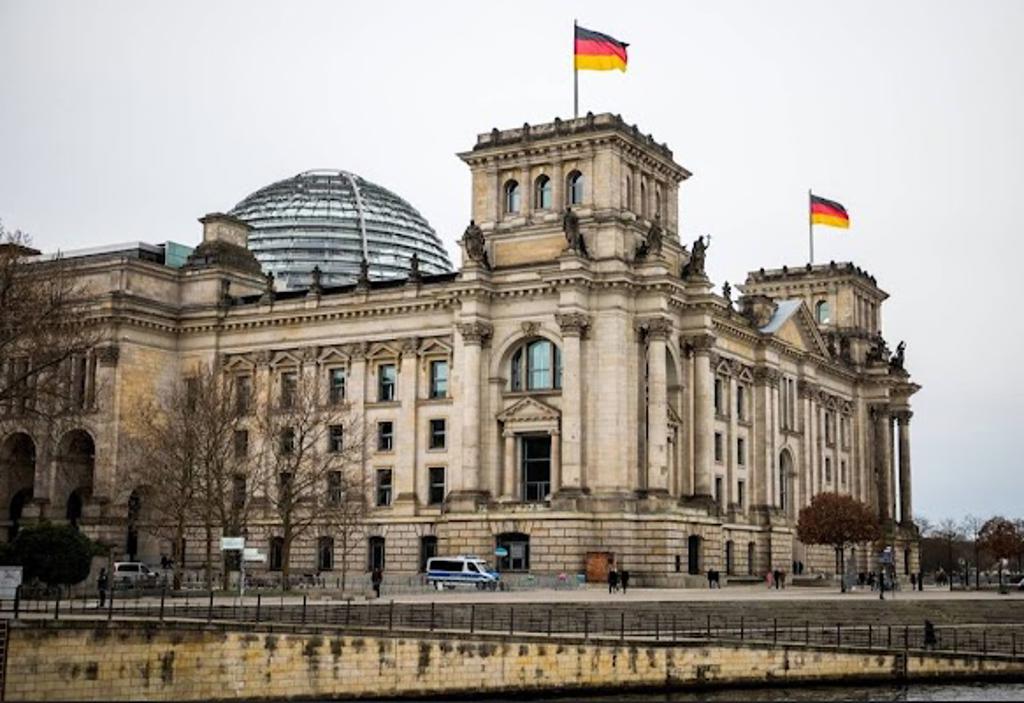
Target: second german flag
x=828 y=212
x=598 y=52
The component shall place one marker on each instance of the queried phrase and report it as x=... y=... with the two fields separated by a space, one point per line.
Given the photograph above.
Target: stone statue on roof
x=316 y=286
x=473 y=244
x=414 y=268
x=573 y=236
x=695 y=267
x=268 y=288
x=727 y=293
x=896 y=362
x=364 y=274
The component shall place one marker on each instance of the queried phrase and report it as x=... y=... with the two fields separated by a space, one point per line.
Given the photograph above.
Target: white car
x=133 y=573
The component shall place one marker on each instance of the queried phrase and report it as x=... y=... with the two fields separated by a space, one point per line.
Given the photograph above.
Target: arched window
x=574 y=188
x=511 y=197
x=513 y=550
x=325 y=554
x=785 y=467
x=542 y=193
x=536 y=366
x=823 y=312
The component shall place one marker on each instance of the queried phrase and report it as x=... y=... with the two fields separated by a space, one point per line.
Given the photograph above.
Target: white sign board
x=229 y=543
x=253 y=554
x=10 y=579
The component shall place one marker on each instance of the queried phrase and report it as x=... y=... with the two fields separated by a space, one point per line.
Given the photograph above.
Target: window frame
x=719 y=442
x=433 y=485
x=384 y=493
x=512 y=201
x=335 y=444
x=288 y=388
x=432 y=434
x=385 y=440
x=543 y=190
x=321 y=542
x=575 y=186
x=336 y=394
x=384 y=382
x=434 y=392
x=522 y=371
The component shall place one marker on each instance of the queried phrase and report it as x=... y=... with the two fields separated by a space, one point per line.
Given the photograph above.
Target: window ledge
x=526 y=394
x=447 y=400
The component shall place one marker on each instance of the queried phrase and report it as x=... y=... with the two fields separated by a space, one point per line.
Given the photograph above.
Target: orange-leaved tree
x=840 y=521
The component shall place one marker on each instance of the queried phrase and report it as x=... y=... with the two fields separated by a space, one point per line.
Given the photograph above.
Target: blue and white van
x=448 y=572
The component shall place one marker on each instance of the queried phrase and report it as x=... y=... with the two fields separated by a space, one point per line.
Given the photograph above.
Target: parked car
x=448 y=572
x=133 y=574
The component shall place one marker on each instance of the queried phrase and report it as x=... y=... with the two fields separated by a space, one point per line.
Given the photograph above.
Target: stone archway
x=76 y=469
x=17 y=478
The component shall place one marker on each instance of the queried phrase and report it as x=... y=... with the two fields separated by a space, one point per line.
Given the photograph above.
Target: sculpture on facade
x=879 y=352
x=414 y=269
x=727 y=293
x=573 y=236
x=695 y=266
x=652 y=245
x=896 y=362
x=363 y=282
x=268 y=288
x=316 y=287
x=473 y=244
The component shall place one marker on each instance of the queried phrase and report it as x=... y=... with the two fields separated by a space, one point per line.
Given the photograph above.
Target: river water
x=913 y=692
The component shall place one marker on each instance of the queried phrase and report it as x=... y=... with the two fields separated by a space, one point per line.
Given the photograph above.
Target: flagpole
x=575 y=76
x=810 y=224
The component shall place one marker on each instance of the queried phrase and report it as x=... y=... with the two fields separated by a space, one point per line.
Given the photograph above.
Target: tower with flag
x=824 y=212
x=594 y=51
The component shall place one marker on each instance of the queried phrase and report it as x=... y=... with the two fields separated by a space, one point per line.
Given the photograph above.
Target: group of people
x=616 y=579
x=775 y=579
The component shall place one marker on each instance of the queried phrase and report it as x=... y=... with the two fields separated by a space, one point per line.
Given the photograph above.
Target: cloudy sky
x=128 y=120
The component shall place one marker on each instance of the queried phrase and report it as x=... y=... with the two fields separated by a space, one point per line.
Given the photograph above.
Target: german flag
x=828 y=212
x=598 y=52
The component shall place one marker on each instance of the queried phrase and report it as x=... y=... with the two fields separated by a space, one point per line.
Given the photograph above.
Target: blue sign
x=500 y=552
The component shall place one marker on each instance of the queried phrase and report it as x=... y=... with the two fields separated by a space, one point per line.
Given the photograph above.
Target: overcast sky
x=128 y=120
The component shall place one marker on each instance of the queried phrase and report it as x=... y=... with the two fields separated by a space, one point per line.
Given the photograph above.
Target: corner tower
x=616 y=180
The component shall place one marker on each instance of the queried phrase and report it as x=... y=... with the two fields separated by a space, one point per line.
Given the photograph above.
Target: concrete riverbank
x=191 y=661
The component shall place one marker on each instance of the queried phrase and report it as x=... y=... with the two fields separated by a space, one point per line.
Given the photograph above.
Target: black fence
x=667 y=623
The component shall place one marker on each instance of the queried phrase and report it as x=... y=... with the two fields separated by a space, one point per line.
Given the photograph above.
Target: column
x=474 y=336
x=556 y=461
x=703 y=410
x=508 y=476
x=574 y=328
x=903 y=418
x=407 y=431
x=883 y=452
x=658 y=330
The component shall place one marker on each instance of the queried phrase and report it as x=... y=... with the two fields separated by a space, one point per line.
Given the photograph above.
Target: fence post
x=391 y=615
x=888 y=636
x=839 y=635
x=17 y=601
x=549 y=622
x=906 y=637
x=622 y=625
x=511 y=619
x=709 y=626
x=741 y=629
x=807 y=632
x=657 y=627
x=775 y=630
x=586 y=624
x=472 y=618
x=303 y=608
x=56 y=607
x=675 y=634
x=163 y=594
x=954 y=640
x=431 y=616
x=984 y=642
x=110 y=603
x=209 y=608
x=1013 y=645
x=869 y=636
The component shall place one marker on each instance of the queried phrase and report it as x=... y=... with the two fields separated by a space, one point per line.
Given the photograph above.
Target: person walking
x=376 y=578
x=613 y=580
x=102 y=584
x=624 y=580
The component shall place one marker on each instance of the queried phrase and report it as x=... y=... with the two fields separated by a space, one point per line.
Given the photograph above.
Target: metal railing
x=668 y=623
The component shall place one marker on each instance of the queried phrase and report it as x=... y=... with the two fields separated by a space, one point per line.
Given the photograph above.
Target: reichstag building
x=577 y=390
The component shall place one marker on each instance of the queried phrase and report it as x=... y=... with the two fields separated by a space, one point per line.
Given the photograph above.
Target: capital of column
x=699 y=344
x=903 y=416
x=879 y=411
x=410 y=345
x=806 y=389
x=766 y=376
x=573 y=324
x=477 y=333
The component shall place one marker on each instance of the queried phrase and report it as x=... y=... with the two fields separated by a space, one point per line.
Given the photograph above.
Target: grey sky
x=128 y=120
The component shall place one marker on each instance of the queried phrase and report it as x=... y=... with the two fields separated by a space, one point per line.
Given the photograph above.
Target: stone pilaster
x=508 y=475
x=407 y=433
x=703 y=414
x=574 y=328
x=903 y=420
x=656 y=332
x=475 y=336
x=883 y=460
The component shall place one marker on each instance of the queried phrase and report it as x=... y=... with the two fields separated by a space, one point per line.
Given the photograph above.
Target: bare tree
x=44 y=334
x=310 y=463
x=971 y=527
x=949 y=533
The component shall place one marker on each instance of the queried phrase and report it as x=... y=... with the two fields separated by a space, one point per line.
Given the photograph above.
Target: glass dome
x=333 y=219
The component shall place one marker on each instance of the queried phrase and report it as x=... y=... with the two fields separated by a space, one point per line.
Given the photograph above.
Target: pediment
x=382 y=350
x=529 y=410
x=332 y=355
x=435 y=345
x=673 y=417
x=799 y=330
x=239 y=362
x=285 y=358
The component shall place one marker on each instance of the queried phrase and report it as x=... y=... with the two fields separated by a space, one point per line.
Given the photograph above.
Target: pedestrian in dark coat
x=376 y=578
x=613 y=580
x=624 y=580
x=102 y=584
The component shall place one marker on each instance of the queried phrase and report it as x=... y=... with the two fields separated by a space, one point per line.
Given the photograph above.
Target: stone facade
x=598 y=394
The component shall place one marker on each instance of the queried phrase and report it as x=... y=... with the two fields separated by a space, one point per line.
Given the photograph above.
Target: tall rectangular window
x=741 y=494
x=383 y=488
x=288 y=440
x=243 y=394
x=241 y=444
x=336 y=386
x=828 y=470
x=718 y=447
x=719 y=492
x=436 y=490
x=335 y=439
x=842 y=471
x=385 y=436
x=741 y=451
x=741 y=402
x=719 y=405
x=289 y=384
x=438 y=432
x=438 y=379
x=334 y=487
x=386 y=378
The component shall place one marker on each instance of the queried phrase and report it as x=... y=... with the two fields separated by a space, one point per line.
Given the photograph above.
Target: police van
x=448 y=572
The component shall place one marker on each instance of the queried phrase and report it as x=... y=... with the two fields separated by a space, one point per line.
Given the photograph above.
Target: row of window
x=741 y=492
x=722 y=402
x=436 y=486
x=76 y=385
x=741 y=449
x=337 y=380
x=437 y=436
x=543 y=193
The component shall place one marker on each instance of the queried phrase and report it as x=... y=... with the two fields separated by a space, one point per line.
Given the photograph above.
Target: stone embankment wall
x=148 y=661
